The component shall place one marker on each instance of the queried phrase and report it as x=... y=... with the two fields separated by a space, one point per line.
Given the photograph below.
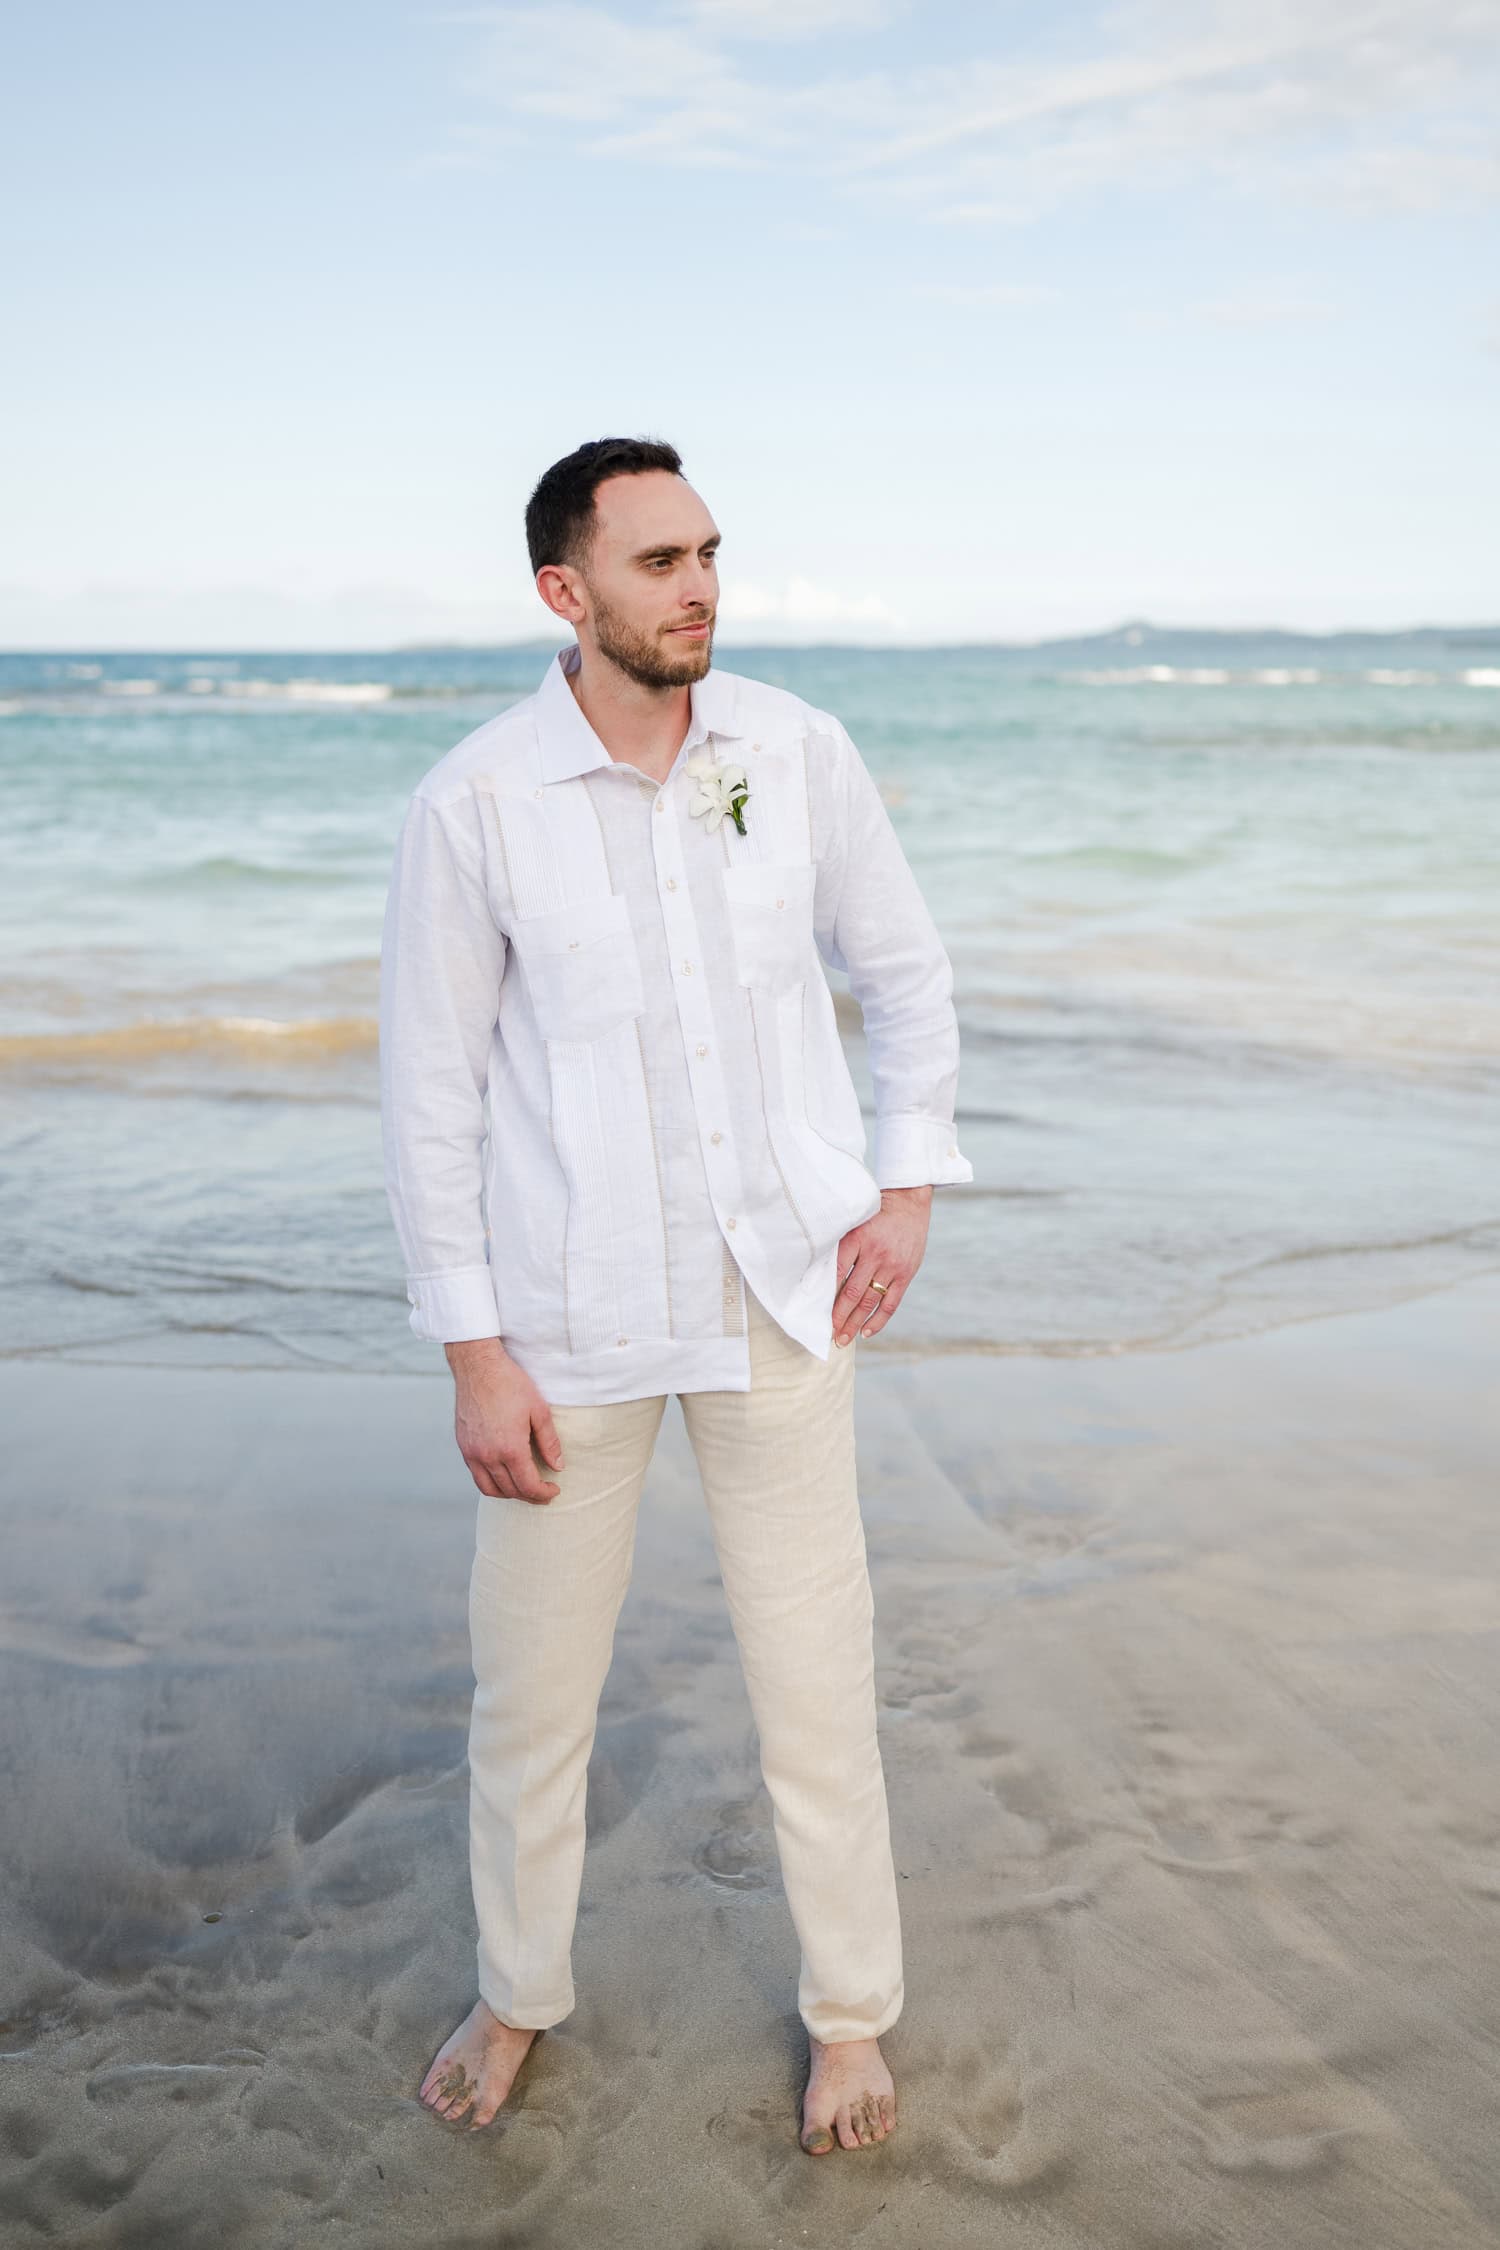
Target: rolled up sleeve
x=442 y=957
x=873 y=924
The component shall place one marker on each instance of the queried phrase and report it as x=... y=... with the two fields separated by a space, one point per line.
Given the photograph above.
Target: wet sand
x=1190 y=1693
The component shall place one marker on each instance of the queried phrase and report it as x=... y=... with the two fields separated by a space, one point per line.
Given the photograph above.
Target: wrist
x=473 y=1355
x=921 y=1194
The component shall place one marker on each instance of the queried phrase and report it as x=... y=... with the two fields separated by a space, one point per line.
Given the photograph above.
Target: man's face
x=651 y=580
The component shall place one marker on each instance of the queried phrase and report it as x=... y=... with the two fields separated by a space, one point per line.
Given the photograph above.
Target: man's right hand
x=496 y=1410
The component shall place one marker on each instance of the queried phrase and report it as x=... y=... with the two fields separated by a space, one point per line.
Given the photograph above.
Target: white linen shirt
x=612 y=1085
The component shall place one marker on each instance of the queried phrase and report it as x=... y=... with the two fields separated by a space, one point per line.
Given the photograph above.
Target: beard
x=649 y=658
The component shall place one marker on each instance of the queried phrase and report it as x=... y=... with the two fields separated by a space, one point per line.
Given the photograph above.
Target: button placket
x=706 y=1087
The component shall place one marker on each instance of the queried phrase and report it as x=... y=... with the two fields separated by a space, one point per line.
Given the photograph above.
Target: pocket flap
x=771 y=883
x=569 y=929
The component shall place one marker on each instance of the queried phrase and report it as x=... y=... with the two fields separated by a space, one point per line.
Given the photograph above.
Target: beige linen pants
x=777 y=1466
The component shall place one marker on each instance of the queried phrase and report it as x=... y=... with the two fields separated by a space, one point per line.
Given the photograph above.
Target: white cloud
x=1372 y=103
x=800 y=603
x=785 y=19
x=374 y=616
x=1263 y=307
x=991 y=292
x=585 y=66
x=258 y=617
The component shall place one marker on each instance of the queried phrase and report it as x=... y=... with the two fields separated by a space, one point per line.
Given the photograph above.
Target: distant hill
x=1139 y=638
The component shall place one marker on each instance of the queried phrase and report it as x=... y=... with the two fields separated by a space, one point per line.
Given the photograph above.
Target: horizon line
x=530 y=643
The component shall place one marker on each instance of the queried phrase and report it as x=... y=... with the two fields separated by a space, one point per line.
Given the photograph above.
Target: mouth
x=695 y=632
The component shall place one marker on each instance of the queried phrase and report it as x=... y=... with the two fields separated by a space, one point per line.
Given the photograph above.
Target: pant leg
x=545 y=1592
x=778 y=1471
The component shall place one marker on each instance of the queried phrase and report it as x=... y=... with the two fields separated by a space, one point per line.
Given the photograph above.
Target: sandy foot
x=472 y=2073
x=850 y=2092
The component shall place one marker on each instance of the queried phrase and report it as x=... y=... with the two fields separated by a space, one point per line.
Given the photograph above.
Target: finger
x=850 y=1311
x=886 y=1304
x=857 y=1275
x=548 y=1443
x=528 y=1484
x=847 y=1304
x=501 y=1469
x=485 y=1481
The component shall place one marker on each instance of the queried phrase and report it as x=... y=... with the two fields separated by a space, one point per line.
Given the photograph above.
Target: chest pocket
x=581 y=966
x=771 y=915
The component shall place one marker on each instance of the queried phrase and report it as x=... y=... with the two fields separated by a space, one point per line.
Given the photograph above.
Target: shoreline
x=878 y=1350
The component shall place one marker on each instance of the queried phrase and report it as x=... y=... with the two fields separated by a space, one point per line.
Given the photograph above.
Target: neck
x=638 y=725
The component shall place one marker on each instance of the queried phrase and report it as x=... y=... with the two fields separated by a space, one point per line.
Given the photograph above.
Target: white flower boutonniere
x=721 y=789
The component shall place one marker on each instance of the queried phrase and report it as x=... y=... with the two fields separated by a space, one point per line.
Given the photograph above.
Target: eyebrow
x=649 y=554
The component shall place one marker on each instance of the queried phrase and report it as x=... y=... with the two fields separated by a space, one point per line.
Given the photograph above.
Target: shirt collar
x=569 y=745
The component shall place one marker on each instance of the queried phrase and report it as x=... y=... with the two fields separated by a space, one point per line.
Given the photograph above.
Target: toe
x=844 y=2125
x=817 y=2140
x=888 y=2112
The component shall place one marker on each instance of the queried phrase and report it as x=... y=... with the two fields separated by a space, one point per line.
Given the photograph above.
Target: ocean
x=1224 y=913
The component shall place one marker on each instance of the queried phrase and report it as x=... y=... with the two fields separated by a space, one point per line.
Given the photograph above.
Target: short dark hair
x=560 y=512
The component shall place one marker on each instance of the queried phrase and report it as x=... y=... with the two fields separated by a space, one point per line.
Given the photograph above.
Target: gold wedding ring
x=882 y=1286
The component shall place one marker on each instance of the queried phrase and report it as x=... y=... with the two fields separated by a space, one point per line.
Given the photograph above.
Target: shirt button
x=622 y=1339
x=781 y=902
x=671 y=882
x=953 y=1152
x=687 y=968
x=573 y=944
x=729 y=1222
x=660 y=807
x=536 y=792
x=716 y=1137
x=702 y=1050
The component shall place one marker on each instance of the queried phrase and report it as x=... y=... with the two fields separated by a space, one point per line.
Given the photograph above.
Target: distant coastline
x=1138 y=632
x=1140 y=635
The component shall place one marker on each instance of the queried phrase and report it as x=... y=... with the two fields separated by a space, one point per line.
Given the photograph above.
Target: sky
x=974 y=324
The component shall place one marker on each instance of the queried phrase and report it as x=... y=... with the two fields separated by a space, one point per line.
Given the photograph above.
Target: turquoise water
x=1223 y=911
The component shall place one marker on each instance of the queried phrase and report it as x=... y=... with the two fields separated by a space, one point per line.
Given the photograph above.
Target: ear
x=560 y=589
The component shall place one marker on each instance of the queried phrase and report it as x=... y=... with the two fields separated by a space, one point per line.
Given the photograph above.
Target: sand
x=1190 y=1689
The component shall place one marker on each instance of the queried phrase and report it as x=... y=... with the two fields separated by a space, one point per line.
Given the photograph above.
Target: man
x=605 y=916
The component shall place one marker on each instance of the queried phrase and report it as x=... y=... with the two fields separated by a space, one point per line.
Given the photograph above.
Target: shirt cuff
x=918 y=1152
x=453 y=1308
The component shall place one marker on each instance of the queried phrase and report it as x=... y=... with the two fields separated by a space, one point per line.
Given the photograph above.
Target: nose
x=701 y=583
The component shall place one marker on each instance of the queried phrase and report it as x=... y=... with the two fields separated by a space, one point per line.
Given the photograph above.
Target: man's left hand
x=888 y=1248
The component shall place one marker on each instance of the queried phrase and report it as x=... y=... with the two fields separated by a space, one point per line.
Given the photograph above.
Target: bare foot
x=477 y=2067
x=850 y=2093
